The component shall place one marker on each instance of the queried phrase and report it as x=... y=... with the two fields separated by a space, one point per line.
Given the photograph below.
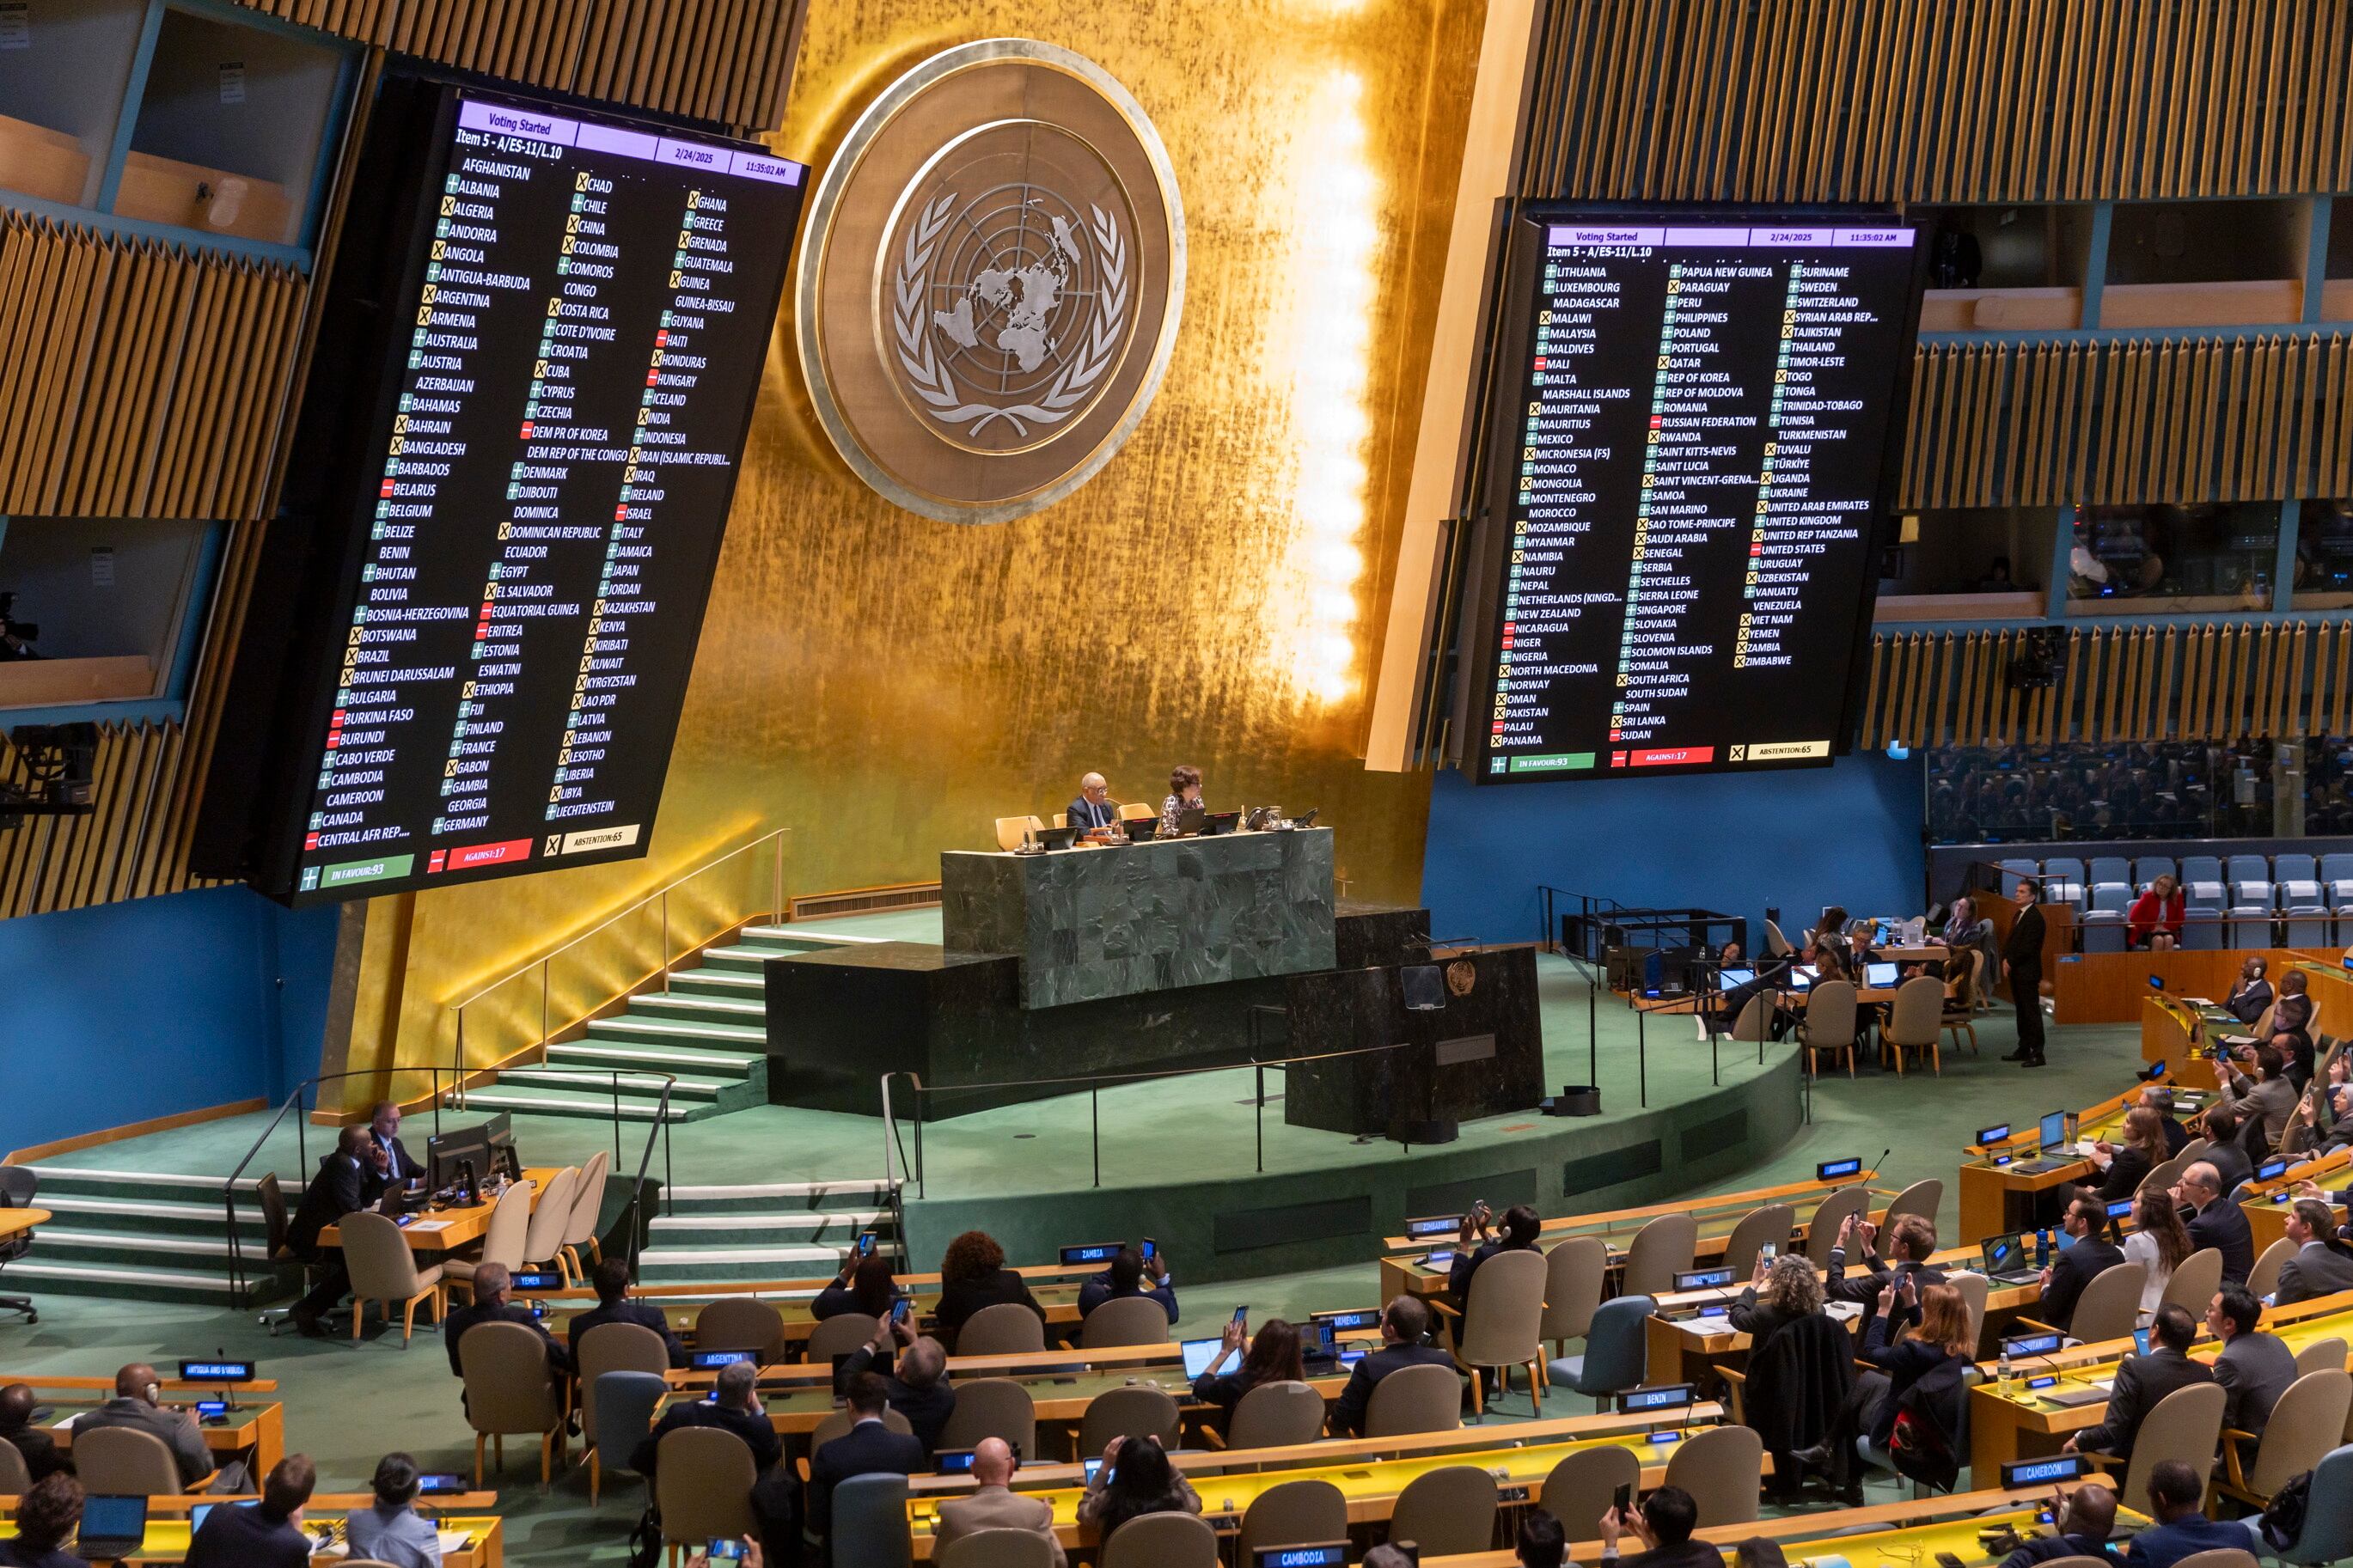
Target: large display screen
x=1695 y=451
x=565 y=339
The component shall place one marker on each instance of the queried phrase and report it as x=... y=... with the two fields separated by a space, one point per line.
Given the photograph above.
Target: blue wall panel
x=125 y=1012
x=1847 y=834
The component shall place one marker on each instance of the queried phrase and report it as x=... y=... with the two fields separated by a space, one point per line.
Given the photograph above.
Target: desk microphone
x=1879 y=1164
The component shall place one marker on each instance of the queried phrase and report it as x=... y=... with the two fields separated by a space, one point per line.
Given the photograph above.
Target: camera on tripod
x=51 y=773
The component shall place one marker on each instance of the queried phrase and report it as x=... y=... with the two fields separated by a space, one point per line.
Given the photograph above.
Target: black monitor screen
x=1694 y=456
x=472 y=636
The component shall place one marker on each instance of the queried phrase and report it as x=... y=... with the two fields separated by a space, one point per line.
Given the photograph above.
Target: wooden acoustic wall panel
x=1940 y=100
x=130 y=846
x=2022 y=423
x=142 y=381
x=2115 y=683
x=724 y=60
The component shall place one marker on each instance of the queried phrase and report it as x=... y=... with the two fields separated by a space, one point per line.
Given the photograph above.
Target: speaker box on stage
x=1574 y=1100
x=1437 y=1130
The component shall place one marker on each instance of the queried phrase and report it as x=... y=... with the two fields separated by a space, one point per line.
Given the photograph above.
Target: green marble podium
x=1089 y=924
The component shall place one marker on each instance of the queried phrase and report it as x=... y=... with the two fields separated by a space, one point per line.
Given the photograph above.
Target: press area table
x=1404 y=1273
x=255 y=1431
x=1997 y=1199
x=2025 y=1424
x=14 y=1220
x=1054 y=1286
x=462 y=1514
x=1371 y=1484
x=447 y=1230
x=1913 y=1532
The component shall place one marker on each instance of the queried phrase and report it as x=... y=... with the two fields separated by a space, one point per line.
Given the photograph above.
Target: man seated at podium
x=1094 y=809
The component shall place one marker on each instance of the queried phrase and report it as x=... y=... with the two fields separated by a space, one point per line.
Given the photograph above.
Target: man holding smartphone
x=1663 y=1524
x=2081 y=1523
x=1126 y=1277
x=917 y=1387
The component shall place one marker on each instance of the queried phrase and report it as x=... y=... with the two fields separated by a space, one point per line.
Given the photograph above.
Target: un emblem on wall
x=993 y=288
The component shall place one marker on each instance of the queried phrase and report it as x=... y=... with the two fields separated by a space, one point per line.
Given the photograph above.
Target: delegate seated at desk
x=611 y=1279
x=1094 y=807
x=1124 y=1278
x=2086 y=1252
x=973 y=1276
x=45 y=1520
x=136 y=1404
x=2251 y=997
x=2255 y=1367
x=2321 y=1264
x=1184 y=795
x=1521 y=1225
x=2219 y=1223
x=2141 y=1381
x=1405 y=1324
x=351 y=1177
x=2079 y=1527
x=917 y=1387
x=269 y=1533
x=1271 y=1357
x=400 y=1167
x=2177 y=1499
x=492 y=1287
x=2124 y=1166
x=39 y=1449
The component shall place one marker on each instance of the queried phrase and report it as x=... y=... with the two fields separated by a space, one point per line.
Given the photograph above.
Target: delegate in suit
x=2089 y=1251
x=2142 y=1380
x=351 y=1177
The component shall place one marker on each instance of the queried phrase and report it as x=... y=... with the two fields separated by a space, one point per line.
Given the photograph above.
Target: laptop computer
x=111 y=1527
x=2006 y=1260
x=1733 y=979
x=1218 y=822
x=1200 y=1354
x=1880 y=976
x=2052 y=1137
x=1190 y=820
x=1141 y=828
x=1057 y=837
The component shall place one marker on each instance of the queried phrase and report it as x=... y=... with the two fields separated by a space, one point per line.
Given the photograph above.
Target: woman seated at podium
x=1184 y=795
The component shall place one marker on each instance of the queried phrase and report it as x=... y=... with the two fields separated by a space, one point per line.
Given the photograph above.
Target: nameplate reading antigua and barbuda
x=581 y=309
x=1695 y=445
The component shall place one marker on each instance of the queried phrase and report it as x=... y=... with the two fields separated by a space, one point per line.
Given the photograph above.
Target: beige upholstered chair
x=1415 y=1399
x=1915 y=1023
x=1136 y=811
x=2193 y=1284
x=1829 y=1022
x=1062 y=819
x=842 y=1335
x=2218 y=1557
x=2320 y=1355
x=384 y=1270
x=1822 y=1230
x=702 y=1484
x=509 y=1388
x=1723 y=1468
x=502 y=1239
x=1500 y=1325
x=16 y=1480
x=1007 y=1329
x=2308 y=1421
x=542 y=1239
x=1584 y=1485
x=1754 y=1022
x=1575 y=1274
x=1295 y=1513
x=1661 y=1249
x=587 y=1208
x=997 y=1549
x=740 y=1323
x=1773 y=1224
x=616 y=1347
x=1279 y=1415
x=1011 y=830
x=991 y=1407
x=121 y=1461
x=1162 y=1541
x=1974 y=1289
x=1922 y=1197
x=1128 y=1413
x=2109 y=1307
x=2167 y=1172
x=2186 y=1424
x=2264 y=1279
x=1446 y=1511
x=1130 y=1320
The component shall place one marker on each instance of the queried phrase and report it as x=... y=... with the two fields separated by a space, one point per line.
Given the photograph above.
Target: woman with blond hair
x=1784 y=1290
x=1940 y=1338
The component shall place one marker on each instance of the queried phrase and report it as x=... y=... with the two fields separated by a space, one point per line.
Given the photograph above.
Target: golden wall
x=886 y=686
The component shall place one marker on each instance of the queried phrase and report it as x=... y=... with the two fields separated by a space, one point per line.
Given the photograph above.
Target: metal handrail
x=659 y=896
x=1095 y=1082
x=302 y=1152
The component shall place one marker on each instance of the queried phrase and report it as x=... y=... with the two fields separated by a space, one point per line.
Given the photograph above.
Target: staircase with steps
x=708 y=1027
x=143 y=1236
x=768 y=1230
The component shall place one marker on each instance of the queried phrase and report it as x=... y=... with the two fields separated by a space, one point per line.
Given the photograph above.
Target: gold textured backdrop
x=886 y=686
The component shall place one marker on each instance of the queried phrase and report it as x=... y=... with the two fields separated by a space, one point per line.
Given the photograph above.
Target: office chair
x=17 y=1185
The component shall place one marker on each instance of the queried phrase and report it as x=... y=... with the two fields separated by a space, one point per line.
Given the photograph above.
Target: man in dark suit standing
x=401 y=1168
x=2142 y=1380
x=2256 y=1367
x=611 y=1279
x=2021 y=957
x=2219 y=1223
x=2321 y=1264
x=868 y=1447
x=350 y=1178
x=2088 y=1252
x=1405 y=1323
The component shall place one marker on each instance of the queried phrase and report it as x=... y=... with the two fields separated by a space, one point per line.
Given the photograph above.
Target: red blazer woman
x=2151 y=913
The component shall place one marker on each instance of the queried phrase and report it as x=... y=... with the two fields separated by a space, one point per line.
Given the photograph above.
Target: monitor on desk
x=1839 y=1170
x=2053 y=1133
x=1880 y=976
x=1800 y=980
x=1200 y=1354
x=2001 y=1254
x=1992 y=1138
x=1733 y=979
x=499 y=1132
x=444 y=1156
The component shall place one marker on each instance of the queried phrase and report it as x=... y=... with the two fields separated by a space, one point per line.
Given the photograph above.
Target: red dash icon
x=526 y=429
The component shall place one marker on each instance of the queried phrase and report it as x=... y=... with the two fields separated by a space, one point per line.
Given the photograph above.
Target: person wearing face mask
x=2088 y=1250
